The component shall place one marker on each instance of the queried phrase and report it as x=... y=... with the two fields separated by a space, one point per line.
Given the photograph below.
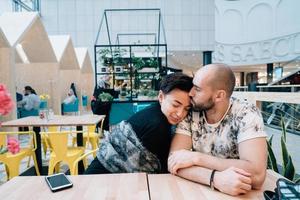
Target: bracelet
x=211 y=181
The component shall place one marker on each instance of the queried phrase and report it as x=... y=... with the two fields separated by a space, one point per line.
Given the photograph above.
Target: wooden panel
x=106 y=186
x=167 y=186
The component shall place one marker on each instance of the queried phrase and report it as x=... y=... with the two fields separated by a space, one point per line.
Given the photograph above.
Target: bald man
x=221 y=143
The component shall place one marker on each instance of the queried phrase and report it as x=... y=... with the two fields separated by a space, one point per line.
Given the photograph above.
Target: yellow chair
x=83 y=157
x=44 y=138
x=45 y=144
x=91 y=137
x=12 y=161
x=60 y=152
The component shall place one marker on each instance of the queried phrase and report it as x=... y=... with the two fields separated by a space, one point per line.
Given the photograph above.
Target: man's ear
x=220 y=95
x=160 y=96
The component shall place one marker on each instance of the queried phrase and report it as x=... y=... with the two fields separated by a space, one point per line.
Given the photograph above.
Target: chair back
x=91 y=128
x=58 y=142
x=71 y=107
x=43 y=104
x=2 y=140
x=26 y=113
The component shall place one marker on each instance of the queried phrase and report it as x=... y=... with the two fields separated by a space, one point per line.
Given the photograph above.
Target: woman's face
x=175 y=105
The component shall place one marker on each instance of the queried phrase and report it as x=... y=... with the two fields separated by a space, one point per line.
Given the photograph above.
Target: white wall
x=5 y=6
x=189 y=24
x=257 y=31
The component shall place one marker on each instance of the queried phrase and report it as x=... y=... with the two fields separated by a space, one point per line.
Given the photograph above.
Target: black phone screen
x=58 y=181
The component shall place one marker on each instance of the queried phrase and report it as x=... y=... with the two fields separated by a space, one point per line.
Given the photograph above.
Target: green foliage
x=152 y=62
x=148 y=93
x=3 y=150
x=138 y=63
x=288 y=169
x=152 y=93
x=105 y=97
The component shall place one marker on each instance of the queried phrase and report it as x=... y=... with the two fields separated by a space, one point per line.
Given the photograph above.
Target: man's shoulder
x=239 y=106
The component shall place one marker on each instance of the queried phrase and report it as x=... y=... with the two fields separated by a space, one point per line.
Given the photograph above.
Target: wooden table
x=106 y=186
x=58 y=120
x=124 y=186
x=167 y=186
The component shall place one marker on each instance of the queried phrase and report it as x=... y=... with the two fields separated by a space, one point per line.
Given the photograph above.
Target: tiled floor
x=293 y=146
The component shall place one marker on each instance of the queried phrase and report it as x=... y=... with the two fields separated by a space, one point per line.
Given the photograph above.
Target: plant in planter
x=152 y=94
x=105 y=97
x=138 y=63
x=123 y=93
x=118 y=57
x=288 y=169
x=104 y=58
x=152 y=62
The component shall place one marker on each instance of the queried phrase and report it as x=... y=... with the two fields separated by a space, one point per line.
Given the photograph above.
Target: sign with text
x=280 y=49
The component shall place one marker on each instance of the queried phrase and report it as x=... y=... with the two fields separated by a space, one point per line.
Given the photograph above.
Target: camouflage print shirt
x=243 y=121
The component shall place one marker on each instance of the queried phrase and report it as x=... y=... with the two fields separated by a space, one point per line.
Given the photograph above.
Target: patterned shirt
x=243 y=121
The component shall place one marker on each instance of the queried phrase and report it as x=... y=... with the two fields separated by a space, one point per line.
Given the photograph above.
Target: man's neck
x=216 y=113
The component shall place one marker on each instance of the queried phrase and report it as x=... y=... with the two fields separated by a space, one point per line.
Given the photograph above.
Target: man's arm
x=253 y=158
x=232 y=181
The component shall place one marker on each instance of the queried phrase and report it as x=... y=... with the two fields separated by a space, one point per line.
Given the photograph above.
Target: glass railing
x=26 y=5
x=268 y=88
x=274 y=112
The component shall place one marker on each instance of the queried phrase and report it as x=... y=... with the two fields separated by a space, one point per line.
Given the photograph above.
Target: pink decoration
x=6 y=103
x=13 y=145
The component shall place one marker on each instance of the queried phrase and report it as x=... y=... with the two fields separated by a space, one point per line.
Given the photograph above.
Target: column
x=269 y=72
x=207 y=57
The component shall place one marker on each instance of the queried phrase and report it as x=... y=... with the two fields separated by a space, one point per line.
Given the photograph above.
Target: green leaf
x=297 y=180
x=271 y=158
x=283 y=128
x=284 y=153
x=271 y=140
x=289 y=170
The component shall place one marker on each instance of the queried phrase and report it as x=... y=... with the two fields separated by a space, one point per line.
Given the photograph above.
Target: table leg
x=80 y=143
x=38 y=151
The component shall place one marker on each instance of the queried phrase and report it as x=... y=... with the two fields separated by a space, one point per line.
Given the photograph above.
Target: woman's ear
x=160 y=96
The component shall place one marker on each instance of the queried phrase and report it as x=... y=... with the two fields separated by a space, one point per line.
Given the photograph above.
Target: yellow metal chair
x=44 y=143
x=12 y=161
x=44 y=139
x=60 y=152
x=91 y=137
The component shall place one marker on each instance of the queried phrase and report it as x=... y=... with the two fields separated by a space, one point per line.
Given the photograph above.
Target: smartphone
x=58 y=182
x=288 y=190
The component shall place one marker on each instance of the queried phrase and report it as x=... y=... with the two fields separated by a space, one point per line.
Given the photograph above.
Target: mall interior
x=64 y=48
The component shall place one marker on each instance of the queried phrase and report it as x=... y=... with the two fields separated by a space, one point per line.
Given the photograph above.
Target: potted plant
x=105 y=97
x=288 y=169
x=152 y=94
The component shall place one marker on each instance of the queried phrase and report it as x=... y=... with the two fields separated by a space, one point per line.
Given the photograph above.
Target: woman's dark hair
x=29 y=88
x=74 y=89
x=176 y=81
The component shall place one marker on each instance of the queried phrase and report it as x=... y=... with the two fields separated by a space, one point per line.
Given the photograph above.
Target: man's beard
x=204 y=106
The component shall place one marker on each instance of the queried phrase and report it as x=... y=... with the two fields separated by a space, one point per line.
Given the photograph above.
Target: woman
x=141 y=143
x=30 y=100
x=72 y=95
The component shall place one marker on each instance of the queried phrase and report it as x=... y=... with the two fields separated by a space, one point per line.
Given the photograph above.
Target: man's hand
x=233 y=181
x=181 y=159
